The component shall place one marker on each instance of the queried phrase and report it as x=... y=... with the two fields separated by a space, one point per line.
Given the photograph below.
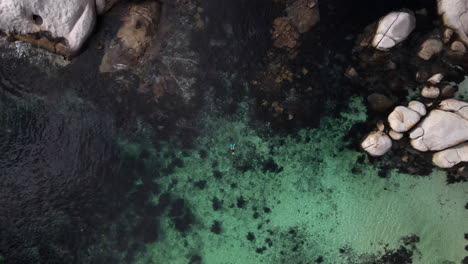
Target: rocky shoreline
x=154 y=66
x=444 y=128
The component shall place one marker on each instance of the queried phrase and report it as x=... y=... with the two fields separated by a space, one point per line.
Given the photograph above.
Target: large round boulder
x=450 y=157
x=377 y=143
x=393 y=29
x=455 y=16
x=439 y=130
x=403 y=119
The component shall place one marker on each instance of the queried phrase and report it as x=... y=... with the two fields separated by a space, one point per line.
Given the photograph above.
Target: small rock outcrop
x=393 y=29
x=377 y=143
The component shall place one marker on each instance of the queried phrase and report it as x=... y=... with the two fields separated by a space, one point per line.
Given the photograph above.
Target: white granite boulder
x=456 y=106
x=439 y=130
x=393 y=29
x=418 y=107
x=455 y=16
x=450 y=157
x=403 y=119
x=436 y=78
x=395 y=135
x=62 y=26
x=430 y=92
x=377 y=143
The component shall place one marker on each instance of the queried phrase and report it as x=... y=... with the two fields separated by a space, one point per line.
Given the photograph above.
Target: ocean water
x=298 y=198
x=92 y=173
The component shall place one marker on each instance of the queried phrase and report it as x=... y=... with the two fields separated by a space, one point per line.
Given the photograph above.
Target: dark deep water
x=91 y=171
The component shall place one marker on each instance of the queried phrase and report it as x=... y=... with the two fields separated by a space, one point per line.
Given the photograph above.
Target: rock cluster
x=444 y=129
x=392 y=59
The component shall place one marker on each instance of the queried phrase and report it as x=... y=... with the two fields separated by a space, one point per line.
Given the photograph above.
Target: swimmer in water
x=232 y=147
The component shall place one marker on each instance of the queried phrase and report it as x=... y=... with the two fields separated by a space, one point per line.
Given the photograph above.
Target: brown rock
x=285 y=34
x=458 y=46
x=447 y=35
x=379 y=102
x=421 y=76
x=304 y=14
x=133 y=37
x=351 y=73
x=430 y=48
x=448 y=91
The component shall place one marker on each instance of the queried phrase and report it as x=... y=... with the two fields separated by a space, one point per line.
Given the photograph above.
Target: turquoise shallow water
x=303 y=197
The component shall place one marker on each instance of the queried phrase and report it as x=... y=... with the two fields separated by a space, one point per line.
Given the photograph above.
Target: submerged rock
x=450 y=157
x=448 y=91
x=429 y=48
x=393 y=29
x=133 y=37
x=377 y=143
x=439 y=130
x=403 y=119
x=304 y=14
x=285 y=34
x=379 y=102
x=58 y=26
